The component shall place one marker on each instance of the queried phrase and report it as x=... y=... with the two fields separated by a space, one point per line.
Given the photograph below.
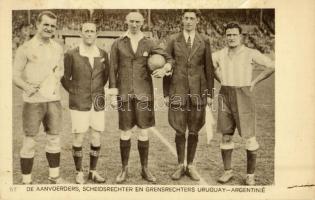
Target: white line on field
x=166 y=143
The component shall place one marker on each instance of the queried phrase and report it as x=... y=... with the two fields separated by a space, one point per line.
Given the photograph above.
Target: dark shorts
x=48 y=113
x=236 y=110
x=134 y=112
x=182 y=116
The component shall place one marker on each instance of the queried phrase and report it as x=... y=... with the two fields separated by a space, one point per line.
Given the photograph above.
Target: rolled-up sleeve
x=215 y=60
x=20 y=61
x=261 y=59
x=216 y=65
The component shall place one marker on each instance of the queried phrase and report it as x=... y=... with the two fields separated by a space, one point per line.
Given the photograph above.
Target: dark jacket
x=193 y=72
x=129 y=71
x=84 y=83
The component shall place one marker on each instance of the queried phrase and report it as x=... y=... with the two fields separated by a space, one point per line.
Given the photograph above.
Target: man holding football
x=85 y=75
x=188 y=90
x=37 y=69
x=233 y=69
x=131 y=88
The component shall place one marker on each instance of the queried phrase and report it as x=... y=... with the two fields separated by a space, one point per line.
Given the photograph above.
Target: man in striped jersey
x=233 y=69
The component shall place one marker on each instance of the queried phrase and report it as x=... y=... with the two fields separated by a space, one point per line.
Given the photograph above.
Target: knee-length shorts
x=83 y=120
x=48 y=113
x=134 y=112
x=236 y=109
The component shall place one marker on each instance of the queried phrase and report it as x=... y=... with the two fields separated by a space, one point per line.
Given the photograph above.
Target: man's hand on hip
x=252 y=86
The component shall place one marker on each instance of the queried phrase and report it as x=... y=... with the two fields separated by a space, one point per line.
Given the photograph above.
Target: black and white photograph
x=132 y=96
x=179 y=99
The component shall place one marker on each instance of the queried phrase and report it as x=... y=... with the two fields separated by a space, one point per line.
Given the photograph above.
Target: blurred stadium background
x=258 y=25
x=259 y=33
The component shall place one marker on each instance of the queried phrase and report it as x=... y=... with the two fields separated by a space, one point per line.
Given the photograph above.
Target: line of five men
x=190 y=70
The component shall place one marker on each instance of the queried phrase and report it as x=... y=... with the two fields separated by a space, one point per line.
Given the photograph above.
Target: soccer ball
x=156 y=61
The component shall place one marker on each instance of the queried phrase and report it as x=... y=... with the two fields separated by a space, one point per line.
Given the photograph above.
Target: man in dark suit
x=130 y=79
x=188 y=90
x=85 y=75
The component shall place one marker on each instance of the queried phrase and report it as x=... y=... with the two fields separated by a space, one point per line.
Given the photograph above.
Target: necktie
x=189 y=43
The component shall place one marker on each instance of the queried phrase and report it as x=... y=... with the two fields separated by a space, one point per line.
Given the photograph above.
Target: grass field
x=161 y=161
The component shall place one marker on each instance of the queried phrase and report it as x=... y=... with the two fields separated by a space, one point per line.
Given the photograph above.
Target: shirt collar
x=94 y=53
x=241 y=48
x=191 y=34
x=39 y=42
x=138 y=36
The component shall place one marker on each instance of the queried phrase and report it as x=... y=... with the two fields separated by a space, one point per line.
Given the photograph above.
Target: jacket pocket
x=73 y=88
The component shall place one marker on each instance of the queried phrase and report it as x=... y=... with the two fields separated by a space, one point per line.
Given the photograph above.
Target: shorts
x=82 y=120
x=236 y=110
x=182 y=116
x=135 y=113
x=48 y=113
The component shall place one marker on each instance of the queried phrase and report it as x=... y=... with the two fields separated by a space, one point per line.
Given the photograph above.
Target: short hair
x=231 y=25
x=196 y=11
x=89 y=22
x=134 y=11
x=48 y=14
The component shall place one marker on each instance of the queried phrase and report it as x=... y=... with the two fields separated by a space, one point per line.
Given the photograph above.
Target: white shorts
x=82 y=120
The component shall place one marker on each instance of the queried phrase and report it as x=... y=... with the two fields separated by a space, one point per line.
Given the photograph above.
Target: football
x=156 y=61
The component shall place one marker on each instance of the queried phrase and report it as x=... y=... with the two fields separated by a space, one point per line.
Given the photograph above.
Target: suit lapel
x=128 y=46
x=196 y=44
x=182 y=43
x=97 y=63
x=97 y=60
x=87 y=63
x=141 y=44
x=85 y=60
